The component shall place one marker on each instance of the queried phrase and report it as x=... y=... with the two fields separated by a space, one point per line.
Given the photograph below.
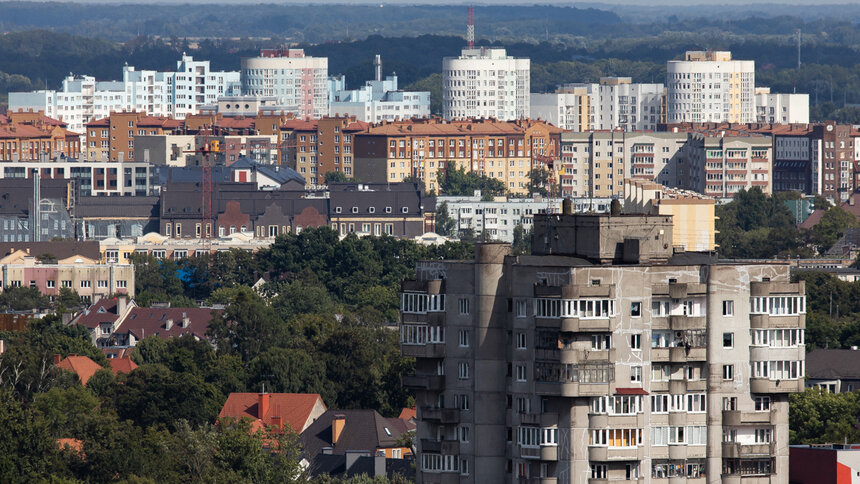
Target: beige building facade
x=572 y=368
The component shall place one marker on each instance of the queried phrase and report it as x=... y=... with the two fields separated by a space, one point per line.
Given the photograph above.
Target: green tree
x=538 y=182
x=831 y=226
x=459 y=182
x=445 y=225
x=522 y=244
x=817 y=417
x=335 y=177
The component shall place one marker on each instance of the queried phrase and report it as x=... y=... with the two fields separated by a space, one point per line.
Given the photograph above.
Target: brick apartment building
x=316 y=147
x=32 y=136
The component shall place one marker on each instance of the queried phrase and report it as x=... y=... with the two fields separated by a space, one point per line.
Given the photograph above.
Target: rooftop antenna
x=377 y=67
x=470 y=28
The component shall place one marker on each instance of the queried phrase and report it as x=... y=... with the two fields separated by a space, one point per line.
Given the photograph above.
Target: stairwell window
x=728 y=372
x=463 y=371
x=521 y=373
x=464 y=306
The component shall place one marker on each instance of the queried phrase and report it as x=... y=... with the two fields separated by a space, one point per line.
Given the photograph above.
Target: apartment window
x=461 y=402
x=728 y=372
x=103 y=284
x=521 y=341
x=523 y=405
x=762 y=436
x=635 y=341
x=463 y=371
x=601 y=342
x=659 y=372
x=635 y=374
x=463 y=433
x=464 y=305
x=521 y=308
x=728 y=340
x=50 y=284
x=696 y=402
x=464 y=338
x=521 y=373
x=636 y=309
x=464 y=467
x=762 y=404
x=67 y=284
x=121 y=284
x=728 y=308
x=599 y=471
x=660 y=403
x=86 y=284
x=730 y=403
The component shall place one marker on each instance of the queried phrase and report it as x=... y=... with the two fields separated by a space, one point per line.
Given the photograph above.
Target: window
x=728 y=372
x=464 y=338
x=730 y=403
x=660 y=403
x=636 y=309
x=696 y=402
x=762 y=404
x=599 y=471
x=549 y=436
x=463 y=433
x=728 y=308
x=103 y=283
x=521 y=308
x=636 y=374
x=50 y=284
x=635 y=341
x=659 y=372
x=67 y=284
x=521 y=341
x=659 y=308
x=521 y=373
x=464 y=305
x=762 y=436
x=601 y=342
x=464 y=467
x=728 y=340
x=523 y=405
x=86 y=284
x=461 y=402
x=463 y=372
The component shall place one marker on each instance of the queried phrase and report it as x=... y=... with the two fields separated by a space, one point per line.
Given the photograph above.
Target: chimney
x=337 y=425
x=57 y=359
x=121 y=305
x=379 y=465
x=263 y=405
x=168 y=324
x=185 y=319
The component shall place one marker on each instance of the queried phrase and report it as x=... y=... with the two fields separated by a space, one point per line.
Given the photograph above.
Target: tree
x=538 y=182
x=831 y=226
x=522 y=244
x=445 y=225
x=817 y=417
x=459 y=182
x=68 y=298
x=335 y=177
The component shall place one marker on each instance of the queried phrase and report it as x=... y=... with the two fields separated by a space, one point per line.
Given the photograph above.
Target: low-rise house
x=833 y=370
x=339 y=431
x=141 y=322
x=82 y=366
x=279 y=410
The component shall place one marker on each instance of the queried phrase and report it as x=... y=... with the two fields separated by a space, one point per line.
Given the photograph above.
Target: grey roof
x=831 y=364
x=16 y=194
x=60 y=249
x=141 y=207
x=279 y=173
x=363 y=430
x=183 y=199
x=850 y=239
x=375 y=199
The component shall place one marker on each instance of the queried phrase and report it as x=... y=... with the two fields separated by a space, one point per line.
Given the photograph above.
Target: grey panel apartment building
x=604 y=356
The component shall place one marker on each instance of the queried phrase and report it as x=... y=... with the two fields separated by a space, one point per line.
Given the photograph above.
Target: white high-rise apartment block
x=708 y=86
x=83 y=99
x=614 y=103
x=781 y=108
x=295 y=79
x=485 y=83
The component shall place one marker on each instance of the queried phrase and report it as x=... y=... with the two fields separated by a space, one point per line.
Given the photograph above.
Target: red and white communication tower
x=470 y=29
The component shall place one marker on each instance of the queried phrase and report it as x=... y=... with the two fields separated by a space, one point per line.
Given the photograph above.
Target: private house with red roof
x=140 y=322
x=296 y=410
x=102 y=317
x=122 y=365
x=82 y=366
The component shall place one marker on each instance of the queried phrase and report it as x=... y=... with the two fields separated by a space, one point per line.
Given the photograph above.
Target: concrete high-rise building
x=586 y=363
x=781 y=108
x=708 y=86
x=485 y=82
x=614 y=103
x=378 y=100
x=176 y=94
x=295 y=79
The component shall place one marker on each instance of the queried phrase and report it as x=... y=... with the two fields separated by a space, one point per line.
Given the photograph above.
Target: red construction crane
x=207 y=147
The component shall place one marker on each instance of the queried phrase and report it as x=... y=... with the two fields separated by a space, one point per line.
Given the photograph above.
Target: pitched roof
x=61 y=249
x=122 y=365
x=82 y=366
x=812 y=220
x=408 y=413
x=363 y=430
x=850 y=240
x=103 y=311
x=294 y=409
x=826 y=364
x=143 y=322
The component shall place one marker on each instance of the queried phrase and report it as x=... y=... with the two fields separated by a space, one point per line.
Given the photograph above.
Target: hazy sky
x=639 y=3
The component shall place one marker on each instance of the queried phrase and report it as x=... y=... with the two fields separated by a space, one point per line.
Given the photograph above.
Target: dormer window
x=387 y=209
x=337 y=209
x=405 y=210
x=354 y=209
x=371 y=209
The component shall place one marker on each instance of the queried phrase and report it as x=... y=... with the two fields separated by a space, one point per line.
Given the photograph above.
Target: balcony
x=606 y=454
x=424 y=382
x=549 y=453
x=771 y=287
x=682 y=354
x=587 y=356
x=684 y=322
x=530 y=452
x=441 y=415
x=429 y=350
x=683 y=290
x=764 y=385
x=765 y=321
x=735 y=450
x=446 y=447
x=737 y=418
x=590 y=325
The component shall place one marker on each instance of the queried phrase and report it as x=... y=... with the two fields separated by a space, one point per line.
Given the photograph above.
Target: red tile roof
x=812 y=220
x=408 y=413
x=122 y=365
x=104 y=311
x=82 y=366
x=294 y=409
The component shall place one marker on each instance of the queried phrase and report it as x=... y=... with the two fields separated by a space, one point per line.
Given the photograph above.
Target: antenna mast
x=470 y=28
